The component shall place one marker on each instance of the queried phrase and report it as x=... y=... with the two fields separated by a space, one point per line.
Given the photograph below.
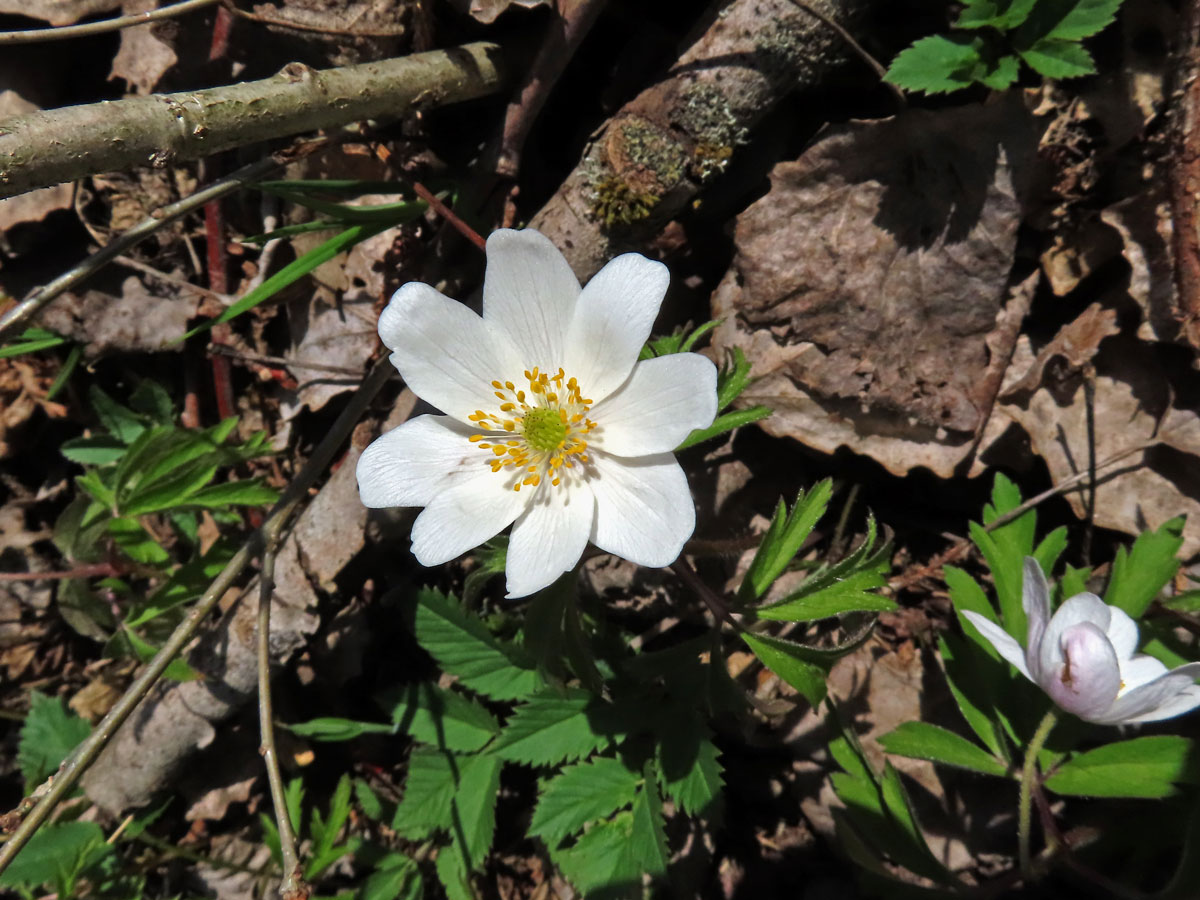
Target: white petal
x=1035 y=598
x=1077 y=609
x=1122 y=633
x=612 y=320
x=1001 y=640
x=529 y=291
x=660 y=404
x=549 y=538
x=476 y=507
x=409 y=465
x=1090 y=677
x=445 y=353
x=1138 y=670
x=1157 y=699
x=1185 y=701
x=644 y=509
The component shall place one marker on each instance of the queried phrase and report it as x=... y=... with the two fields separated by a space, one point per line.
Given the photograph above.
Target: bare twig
x=436 y=204
x=715 y=603
x=575 y=20
x=151 y=272
x=280 y=362
x=75 y=31
x=23 y=311
x=86 y=571
x=69 y=773
x=58 y=145
x=294 y=886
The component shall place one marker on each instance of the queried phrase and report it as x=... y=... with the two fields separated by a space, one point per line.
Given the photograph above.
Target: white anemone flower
x=551 y=423
x=1085 y=658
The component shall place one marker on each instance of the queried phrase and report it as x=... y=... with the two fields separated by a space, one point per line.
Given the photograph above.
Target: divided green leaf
x=48 y=736
x=580 y=794
x=550 y=728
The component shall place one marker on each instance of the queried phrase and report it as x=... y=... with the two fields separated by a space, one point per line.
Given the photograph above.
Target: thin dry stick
x=436 y=204
x=294 y=886
x=60 y=784
x=234 y=354
x=71 y=279
x=35 y=35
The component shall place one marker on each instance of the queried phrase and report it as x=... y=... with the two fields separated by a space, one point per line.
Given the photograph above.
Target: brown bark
x=1185 y=179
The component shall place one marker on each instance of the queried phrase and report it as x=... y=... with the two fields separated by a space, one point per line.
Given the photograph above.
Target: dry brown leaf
x=1075 y=344
x=487 y=11
x=58 y=12
x=1132 y=407
x=1144 y=224
x=142 y=59
x=137 y=321
x=868 y=281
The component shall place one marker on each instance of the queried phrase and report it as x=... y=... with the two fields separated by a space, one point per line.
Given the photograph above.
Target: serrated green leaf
x=648 y=838
x=785 y=536
x=999 y=74
x=331 y=728
x=691 y=769
x=49 y=734
x=152 y=400
x=57 y=855
x=1071 y=20
x=429 y=785
x=851 y=594
x=792 y=663
x=922 y=740
x=325 y=829
x=396 y=877
x=1053 y=58
x=1139 y=574
x=551 y=728
x=372 y=806
x=580 y=794
x=454 y=879
x=1003 y=15
x=439 y=717
x=1149 y=767
x=463 y=646
x=936 y=64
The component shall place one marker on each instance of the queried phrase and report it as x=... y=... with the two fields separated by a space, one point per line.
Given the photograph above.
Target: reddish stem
x=446 y=213
x=92 y=570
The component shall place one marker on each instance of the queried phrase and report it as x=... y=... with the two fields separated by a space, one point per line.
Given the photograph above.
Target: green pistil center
x=544 y=429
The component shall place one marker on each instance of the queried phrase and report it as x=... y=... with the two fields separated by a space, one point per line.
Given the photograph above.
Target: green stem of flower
x=1028 y=774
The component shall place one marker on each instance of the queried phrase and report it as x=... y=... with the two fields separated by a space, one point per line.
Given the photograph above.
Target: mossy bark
x=655 y=155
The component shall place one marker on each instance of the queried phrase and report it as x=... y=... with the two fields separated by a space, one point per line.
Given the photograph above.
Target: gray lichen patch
x=707 y=117
x=631 y=170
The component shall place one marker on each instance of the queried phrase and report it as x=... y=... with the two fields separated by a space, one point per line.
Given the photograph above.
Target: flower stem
x=1028 y=774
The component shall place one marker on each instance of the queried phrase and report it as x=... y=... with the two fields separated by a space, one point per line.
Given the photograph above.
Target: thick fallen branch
x=53 y=146
x=651 y=159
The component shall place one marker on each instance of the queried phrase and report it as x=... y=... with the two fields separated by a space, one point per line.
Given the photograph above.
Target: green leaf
x=152 y=400
x=186 y=583
x=725 y=423
x=31 y=341
x=57 y=854
x=834 y=590
x=396 y=877
x=136 y=543
x=648 y=838
x=463 y=646
x=1147 y=767
x=325 y=830
x=791 y=662
x=690 y=767
x=550 y=728
x=963 y=679
x=1071 y=20
x=330 y=728
x=784 y=538
x=733 y=377
x=122 y=423
x=1003 y=15
x=1053 y=58
x=1139 y=574
x=293 y=272
x=429 y=787
x=936 y=64
x=49 y=734
x=580 y=794
x=1000 y=74
x=372 y=806
x=177 y=669
x=248 y=492
x=99 y=450
x=439 y=717
x=921 y=740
